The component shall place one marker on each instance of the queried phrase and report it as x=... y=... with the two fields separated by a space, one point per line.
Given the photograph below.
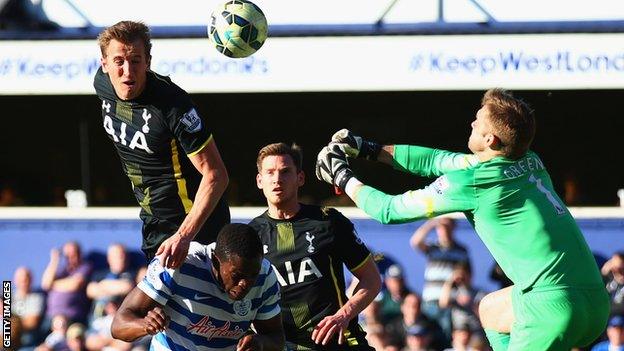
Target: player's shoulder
x=162 y=84
x=322 y=213
x=260 y=220
x=533 y=158
x=103 y=86
x=306 y=213
x=265 y=267
x=464 y=173
x=459 y=179
x=198 y=253
x=335 y=218
x=503 y=169
x=165 y=94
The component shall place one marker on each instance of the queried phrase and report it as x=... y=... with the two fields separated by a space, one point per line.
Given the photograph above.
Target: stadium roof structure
x=84 y=19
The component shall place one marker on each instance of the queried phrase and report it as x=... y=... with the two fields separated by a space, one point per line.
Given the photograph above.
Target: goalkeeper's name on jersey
x=524 y=165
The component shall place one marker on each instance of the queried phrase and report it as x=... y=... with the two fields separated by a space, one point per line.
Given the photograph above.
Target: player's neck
x=284 y=211
x=487 y=154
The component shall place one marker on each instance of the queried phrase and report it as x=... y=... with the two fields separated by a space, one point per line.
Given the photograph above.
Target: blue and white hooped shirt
x=202 y=316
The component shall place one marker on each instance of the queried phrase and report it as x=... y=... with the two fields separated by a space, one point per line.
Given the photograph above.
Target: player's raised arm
x=444 y=195
x=418 y=160
x=138 y=315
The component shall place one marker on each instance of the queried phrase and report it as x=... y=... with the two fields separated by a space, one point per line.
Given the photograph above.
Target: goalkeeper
x=558 y=300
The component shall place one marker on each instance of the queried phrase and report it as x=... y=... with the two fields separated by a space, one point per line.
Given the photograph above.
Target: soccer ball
x=237 y=28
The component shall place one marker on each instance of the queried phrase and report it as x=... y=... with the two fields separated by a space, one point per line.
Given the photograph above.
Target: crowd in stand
x=77 y=302
x=76 y=305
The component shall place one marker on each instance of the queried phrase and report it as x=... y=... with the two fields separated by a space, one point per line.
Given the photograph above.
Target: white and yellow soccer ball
x=237 y=28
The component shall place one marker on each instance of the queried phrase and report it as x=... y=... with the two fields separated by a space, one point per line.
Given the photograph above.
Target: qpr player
x=210 y=302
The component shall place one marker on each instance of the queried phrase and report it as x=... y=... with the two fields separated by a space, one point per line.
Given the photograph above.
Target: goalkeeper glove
x=332 y=166
x=357 y=146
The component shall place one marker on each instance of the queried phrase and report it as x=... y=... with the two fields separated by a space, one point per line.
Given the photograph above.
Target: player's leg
x=542 y=320
x=596 y=309
x=497 y=316
x=556 y=319
x=498 y=341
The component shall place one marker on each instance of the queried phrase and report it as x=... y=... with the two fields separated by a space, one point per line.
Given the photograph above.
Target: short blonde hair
x=513 y=121
x=126 y=32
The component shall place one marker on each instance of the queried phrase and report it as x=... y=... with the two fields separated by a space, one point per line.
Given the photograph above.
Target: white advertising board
x=381 y=63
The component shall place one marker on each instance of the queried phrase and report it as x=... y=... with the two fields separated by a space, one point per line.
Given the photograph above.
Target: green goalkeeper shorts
x=557 y=318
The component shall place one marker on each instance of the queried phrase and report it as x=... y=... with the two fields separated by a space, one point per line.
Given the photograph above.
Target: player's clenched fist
x=155 y=321
x=355 y=146
x=332 y=165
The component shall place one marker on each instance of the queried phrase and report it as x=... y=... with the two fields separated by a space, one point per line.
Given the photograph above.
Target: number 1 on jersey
x=538 y=183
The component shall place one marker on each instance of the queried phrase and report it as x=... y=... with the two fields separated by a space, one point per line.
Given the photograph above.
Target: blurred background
x=394 y=71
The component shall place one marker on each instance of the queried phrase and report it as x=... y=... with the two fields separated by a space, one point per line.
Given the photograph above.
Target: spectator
x=375 y=331
x=370 y=316
x=66 y=285
x=442 y=255
x=572 y=194
x=390 y=299
x=383 y=261
x=75 y=337
x=99 y=334
x=55 y=341
x=461 y=338
x=29 y=306
x=418 y=338
x=615 y=333
x=461 y=297
x=613 y=273
x=478 y=342
x=115 y=282
x=411 y=316
x=16 y=333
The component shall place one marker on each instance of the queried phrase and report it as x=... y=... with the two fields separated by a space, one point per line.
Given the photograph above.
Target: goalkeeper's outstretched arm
x=437 y=198
x=413 y=159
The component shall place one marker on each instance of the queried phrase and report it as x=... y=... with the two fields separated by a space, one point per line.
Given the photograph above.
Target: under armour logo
x=309 y=238
x=106 y=106
x=146 y=116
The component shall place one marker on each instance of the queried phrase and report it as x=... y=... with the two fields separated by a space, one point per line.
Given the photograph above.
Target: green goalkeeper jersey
x=510 y=203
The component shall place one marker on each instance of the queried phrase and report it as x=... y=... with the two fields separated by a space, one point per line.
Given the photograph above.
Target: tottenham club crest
x=309 y=238
x=191 y=121
x=242 y=307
